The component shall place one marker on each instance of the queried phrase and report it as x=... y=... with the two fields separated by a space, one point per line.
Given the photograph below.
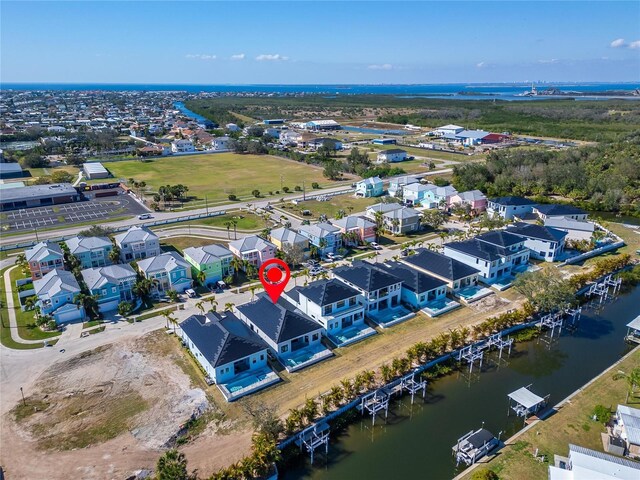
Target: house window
x=114 y=289
x=352 y=301
x=284 y=349
x=340 y=304
x=327 y=310
x=314 y=337
x=254 y=360
x=262 y=356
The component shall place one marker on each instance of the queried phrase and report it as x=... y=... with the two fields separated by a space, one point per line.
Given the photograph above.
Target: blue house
x=91 y=251
x=111 y=284
x=170 y=270
x=56 y=293
x=509 y=207
x=326 y=237
x=369 y=187
x=233 y=356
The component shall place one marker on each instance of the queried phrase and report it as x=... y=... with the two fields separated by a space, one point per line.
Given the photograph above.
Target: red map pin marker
x=274 y=275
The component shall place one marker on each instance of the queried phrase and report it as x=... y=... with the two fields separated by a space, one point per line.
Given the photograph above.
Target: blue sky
x=319 y=42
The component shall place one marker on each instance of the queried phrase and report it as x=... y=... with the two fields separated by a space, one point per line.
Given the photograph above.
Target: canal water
x=416 y=441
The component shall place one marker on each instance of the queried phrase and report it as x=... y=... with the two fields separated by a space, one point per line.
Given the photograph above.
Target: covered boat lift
x=474 y=445
x=526 y=403
x=633 y=332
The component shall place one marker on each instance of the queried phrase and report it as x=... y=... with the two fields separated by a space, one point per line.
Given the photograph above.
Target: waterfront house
x=418 y=194
x=43 y=258
x=285 y=239
x=545 y=243
x=369 y=187
x=456 y=274
x=335 y=306
x=214 y=260
x=401 y=221
x=293 y=337
x=548 y=211
x=391 y=156
x=497 y=254
x=396 y=185
x=253 y=249
x=626 y=427
x=575 y=229
x=509 y=207
x=418 y=289
x=474 y=199
x=169 y=271
x=57 y=291
x=91 y=251
x=137 y=243
x=586 y=464
x=379 y=291
x=324 y=236
x=111 y=284
x=233 y=357
x=356 y=230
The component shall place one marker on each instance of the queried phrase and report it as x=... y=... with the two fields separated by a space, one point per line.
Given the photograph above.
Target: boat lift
x=470 y=354
x=313 y=437
x=413 y=386
x=497 y=341
x=633 y=331
x=375 y=402
x=525 y=403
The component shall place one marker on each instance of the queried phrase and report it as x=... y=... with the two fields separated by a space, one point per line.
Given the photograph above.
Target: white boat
x=474 y=445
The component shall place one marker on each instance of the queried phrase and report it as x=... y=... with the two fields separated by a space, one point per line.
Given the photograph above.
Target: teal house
x=214 y=260
x=369 y=187
x=111 y=284
x=91 y=251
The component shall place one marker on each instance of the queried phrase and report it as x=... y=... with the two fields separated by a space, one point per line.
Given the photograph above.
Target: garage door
x=109 y=306
x=69 y=315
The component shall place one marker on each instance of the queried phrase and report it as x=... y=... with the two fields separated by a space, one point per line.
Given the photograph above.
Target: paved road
x=259 y=203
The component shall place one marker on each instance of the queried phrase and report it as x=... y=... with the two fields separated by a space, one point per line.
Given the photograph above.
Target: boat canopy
x=526 y=398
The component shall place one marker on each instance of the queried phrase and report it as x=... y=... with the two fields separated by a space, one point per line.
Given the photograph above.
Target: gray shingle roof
x=353 y=221
x=43 y=249
x=402 y=214
x=384 y=207
x=86 y=244
x=56 y=281
x=365 y=276
x=326 y=292
x=208 y=253
x=135 y=234
x=512 y=201
x=252 y=242
x=412 y=279
x=286 y=235
x=222 y=339
x=167 y=261
x=320 y=230
x=280 y=321
x=530 y=230
x=488 y=246
x=553 y=210
x=113 y=274
x=439 y=265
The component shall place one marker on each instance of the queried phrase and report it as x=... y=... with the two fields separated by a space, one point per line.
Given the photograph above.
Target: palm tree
x=322 y=244
x=386 y=372
x=228 y=225
x=234 y=222
x=200 y=306
x=337 y=394
x=89 y=302
x=170 y=319
x=214 y=304
x=253 y=289
x=30 y=302
x=236 y=264
x=228 y=307
x=395 y=223
x=201 y=277
x=633 y=381
x=114 y=255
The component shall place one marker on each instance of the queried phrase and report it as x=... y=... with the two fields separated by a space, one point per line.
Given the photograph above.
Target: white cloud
x=553 y=60
x=237 y=56
x=635 y=44
x=481 y=65
x=617 y=43
x=275 y=57
x=201 y=56
x=384 y=66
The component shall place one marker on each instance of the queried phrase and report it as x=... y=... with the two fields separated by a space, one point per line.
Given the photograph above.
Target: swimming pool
x=390 y=316
x=440 y=306
x=473 y=292
x=352 y=334
x=247 y=381
x=305 y=356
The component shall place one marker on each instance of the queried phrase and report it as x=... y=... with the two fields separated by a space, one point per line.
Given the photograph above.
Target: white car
x=144 y=216
x=316 y=271
x=375 y=246
x=191 y=293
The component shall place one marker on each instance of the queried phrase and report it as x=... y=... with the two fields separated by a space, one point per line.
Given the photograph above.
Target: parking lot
x=70 y=213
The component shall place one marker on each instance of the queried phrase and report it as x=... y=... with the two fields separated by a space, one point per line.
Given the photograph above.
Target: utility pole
x=23 y=400
x=35 y=229
x=206 y=204
x=280 y=182
x=304 y=191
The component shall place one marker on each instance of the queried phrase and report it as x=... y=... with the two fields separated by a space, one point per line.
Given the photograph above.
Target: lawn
x=347 y=202
x=216 y=176
x=27 y=328
x=180 y=243
x=246 y=221
x=572 y=424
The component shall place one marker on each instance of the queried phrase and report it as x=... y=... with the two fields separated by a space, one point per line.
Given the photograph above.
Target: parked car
x=375 y=246
x=316 y=271
x=191 y=293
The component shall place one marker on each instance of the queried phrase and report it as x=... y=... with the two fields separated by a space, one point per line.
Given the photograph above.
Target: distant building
x=396 y=185
x=182 y=146
x=471 y=137
x=401 y=221
x=318 y=125
x=391 y=156
x=576 y=229
x=384 y=141
x=316 y=143
x=93 y=170
x=220 y=143
x=273 y=121
x=232 y=127
x=418 y=194
x=137 y=243
x=475 y=199
x=324 y=236
x=38 y=196
x=10 y=170
x=369 y=187
x=547 y=211
x=285 y=238
x=448 y=130
x=363 y=229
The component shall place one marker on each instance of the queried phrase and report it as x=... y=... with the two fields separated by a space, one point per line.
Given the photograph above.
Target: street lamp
x=23 y=400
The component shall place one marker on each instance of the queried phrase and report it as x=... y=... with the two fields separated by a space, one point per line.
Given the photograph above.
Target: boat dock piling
x=313 y=437
x=375 y=402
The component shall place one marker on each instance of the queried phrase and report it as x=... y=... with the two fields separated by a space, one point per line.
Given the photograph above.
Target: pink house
x=364 y=228
x=474 y=198
x=253 y=249
x=43 y=258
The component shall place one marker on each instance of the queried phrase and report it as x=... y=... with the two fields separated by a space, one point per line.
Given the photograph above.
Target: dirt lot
x=121 y=404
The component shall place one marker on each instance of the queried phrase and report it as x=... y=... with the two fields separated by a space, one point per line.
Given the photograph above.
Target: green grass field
x=348 y=203
x=219 y=175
